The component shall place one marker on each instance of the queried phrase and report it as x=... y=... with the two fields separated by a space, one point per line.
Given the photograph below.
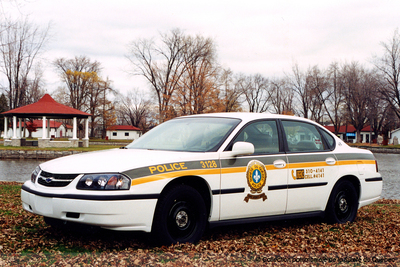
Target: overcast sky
x=266 y=37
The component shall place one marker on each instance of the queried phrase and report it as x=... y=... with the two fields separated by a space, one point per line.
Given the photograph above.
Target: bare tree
x=299 y=86
x=316 y=85
x=282 y=96
x=107 y=111
x=85 y=90
x=79 y=74
x=162 y=66
x=98 y=105
x=358 y=85
x=35 y=87
x=334 y=100
x=380 y=115
x=197 y=92
x=229 y=92
x=20 y=44
x=389 y=67
x=256 y=91
x=135 y=109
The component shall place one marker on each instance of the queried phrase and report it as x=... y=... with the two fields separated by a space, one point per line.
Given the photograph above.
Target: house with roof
x=123 y=132
x=349 y=133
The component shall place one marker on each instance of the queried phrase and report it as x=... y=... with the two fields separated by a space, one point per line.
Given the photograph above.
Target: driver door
x=254 y=185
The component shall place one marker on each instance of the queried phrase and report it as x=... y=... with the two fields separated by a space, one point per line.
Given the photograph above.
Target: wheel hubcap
x=181 y=219
x=343 y=204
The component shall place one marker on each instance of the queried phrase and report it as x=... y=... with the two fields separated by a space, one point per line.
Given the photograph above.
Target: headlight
x=34 y=174
x=104 y=182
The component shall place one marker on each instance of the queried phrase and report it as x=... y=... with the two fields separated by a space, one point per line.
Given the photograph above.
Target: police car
x=197 y=171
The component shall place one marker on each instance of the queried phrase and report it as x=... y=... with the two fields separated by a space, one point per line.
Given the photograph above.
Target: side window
x=302 y=137
x=328 y=138
x=263 y=135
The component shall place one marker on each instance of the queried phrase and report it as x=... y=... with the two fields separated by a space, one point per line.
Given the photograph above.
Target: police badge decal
x=256 y=175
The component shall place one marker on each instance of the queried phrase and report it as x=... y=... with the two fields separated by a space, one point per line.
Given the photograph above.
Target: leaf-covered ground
x=373 y=239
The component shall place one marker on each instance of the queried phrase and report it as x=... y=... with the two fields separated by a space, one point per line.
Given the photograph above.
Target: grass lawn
x=106 y=144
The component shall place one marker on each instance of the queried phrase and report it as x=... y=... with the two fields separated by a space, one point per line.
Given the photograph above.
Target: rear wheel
x=343 y=203
x=181 y=216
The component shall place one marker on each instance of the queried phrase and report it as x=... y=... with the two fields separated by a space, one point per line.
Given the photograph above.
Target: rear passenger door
x=254 y=185
x=312 y=166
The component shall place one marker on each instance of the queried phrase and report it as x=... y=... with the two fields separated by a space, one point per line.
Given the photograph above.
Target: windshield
x=203 y=134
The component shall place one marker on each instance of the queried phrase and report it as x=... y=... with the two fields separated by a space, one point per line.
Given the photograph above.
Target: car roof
x=248 y=116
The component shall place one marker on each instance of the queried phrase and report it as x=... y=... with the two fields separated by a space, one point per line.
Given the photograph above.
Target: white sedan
x=205 y=170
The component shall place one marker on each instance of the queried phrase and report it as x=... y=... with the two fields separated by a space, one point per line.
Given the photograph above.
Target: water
x=17 y=170
x=389 y=168
x=388 y=164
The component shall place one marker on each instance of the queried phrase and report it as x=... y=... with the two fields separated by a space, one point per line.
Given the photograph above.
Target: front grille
x=55 y=180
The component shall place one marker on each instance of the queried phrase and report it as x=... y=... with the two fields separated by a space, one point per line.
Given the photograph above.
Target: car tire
x=181 y=216
x=343 y=203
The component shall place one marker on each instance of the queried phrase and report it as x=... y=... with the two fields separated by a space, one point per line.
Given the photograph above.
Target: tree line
x=21 y=44
x=185 y=77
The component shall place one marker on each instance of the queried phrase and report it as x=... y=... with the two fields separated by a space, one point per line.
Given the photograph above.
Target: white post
x=19 y=128
x=24 y=129
x=44 y=128
x=87 y=128
x=5 y=128
x=74 y=128
x=48 y=129
x=14 y=127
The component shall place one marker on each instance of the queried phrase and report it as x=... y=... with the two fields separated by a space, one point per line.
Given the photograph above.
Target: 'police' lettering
x=168 y=167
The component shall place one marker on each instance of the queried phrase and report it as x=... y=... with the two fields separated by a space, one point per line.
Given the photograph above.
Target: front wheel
x=181 y=216
x=343 y=203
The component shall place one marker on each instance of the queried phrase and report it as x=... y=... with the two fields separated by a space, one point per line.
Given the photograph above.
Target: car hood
x=115 y=160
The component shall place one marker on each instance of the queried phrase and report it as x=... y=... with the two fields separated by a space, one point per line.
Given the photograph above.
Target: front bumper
x=115 y=212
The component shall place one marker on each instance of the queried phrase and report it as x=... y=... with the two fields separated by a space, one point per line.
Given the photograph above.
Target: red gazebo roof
x=48 y=107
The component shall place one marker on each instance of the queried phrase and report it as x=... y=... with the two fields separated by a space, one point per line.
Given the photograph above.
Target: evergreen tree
x=3 y=107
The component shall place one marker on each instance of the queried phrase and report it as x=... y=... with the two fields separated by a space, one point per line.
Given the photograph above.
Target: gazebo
x=46 y=108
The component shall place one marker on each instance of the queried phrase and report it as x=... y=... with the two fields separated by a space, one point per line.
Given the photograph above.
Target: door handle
x=280 y=164
x=330 y=161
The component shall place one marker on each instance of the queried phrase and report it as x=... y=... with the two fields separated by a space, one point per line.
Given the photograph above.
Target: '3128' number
x=208 y=164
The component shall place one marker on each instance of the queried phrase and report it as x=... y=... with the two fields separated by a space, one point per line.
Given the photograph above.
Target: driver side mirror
x=242 y=149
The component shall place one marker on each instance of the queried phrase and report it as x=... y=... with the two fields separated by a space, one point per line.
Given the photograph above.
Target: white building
x=393 y=134
x=349 y=133
x=123 y=132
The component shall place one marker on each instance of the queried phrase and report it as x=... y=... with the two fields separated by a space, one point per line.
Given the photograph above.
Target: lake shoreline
x=34 y=154
x=382 y=150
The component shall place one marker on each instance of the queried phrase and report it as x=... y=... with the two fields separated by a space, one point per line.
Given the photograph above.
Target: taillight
x=376 y=164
